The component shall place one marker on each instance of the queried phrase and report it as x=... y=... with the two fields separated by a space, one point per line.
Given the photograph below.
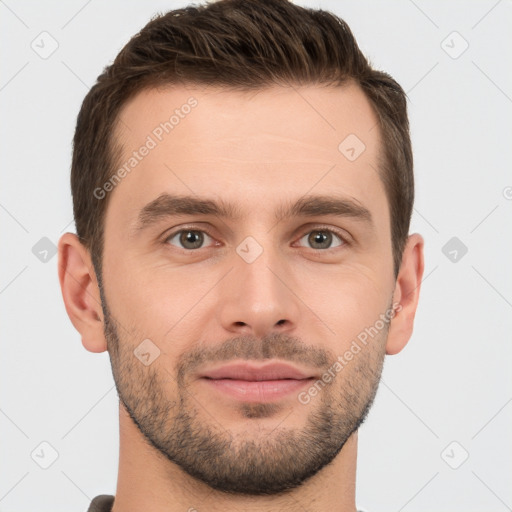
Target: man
x=242 y=184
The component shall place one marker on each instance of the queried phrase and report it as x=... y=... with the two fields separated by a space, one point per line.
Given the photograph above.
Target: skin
x=257 y=150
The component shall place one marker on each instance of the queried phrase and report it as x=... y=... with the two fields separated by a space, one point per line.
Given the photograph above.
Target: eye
x=323 y=238
x=192 y=239
x=189 y=239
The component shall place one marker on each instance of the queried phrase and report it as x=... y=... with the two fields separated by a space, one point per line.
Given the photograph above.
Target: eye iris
x=321 y=237
x=191 y=237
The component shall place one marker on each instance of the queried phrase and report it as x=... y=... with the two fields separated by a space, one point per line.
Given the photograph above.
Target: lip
x=256 y=383
x=253 y=372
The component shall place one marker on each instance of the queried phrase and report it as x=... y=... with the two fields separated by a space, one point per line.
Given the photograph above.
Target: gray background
x=446 y=396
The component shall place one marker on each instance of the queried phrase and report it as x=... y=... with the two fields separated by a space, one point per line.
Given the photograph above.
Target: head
x=242 y=187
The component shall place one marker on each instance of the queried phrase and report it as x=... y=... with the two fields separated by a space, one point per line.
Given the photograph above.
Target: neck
x=149 y=481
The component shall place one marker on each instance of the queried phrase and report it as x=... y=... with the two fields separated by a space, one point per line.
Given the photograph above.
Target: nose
x=260 y=298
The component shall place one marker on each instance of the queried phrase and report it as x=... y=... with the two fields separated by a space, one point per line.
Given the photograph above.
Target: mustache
x=248 y=347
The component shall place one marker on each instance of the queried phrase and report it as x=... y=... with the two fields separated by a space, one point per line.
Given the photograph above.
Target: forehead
x=247 y=146
x=296 y=114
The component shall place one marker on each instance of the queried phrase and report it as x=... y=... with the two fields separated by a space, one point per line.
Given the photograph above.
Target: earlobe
x=80 y=292
x=406 y=294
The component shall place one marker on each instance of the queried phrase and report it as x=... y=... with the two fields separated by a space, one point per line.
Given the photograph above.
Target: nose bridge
x=257 y=272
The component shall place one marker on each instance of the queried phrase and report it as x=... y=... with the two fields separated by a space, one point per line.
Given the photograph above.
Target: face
x=246 y=255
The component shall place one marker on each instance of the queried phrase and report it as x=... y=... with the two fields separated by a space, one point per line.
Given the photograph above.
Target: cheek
x=134 y=293
x=346 y=300
x=166 y=305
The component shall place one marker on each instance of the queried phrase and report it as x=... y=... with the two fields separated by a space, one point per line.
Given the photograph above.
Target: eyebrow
x=168 y=205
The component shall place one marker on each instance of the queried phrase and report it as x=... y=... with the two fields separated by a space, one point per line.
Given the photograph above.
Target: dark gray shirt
x=102 y=503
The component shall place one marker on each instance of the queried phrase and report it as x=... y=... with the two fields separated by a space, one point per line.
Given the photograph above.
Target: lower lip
x=257 y=391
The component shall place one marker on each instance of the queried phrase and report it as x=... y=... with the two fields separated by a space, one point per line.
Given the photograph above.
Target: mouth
x=253 y=383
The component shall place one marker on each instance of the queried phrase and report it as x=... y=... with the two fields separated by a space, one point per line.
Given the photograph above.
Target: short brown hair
x=239 y=45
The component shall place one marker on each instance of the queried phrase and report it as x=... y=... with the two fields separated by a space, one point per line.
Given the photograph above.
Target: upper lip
x=253 y=372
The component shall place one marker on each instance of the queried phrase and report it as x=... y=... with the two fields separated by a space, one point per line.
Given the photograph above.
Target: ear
x=80 y=292
x=406 y=294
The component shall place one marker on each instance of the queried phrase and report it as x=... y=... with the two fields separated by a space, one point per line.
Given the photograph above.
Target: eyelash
x=343 y=238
